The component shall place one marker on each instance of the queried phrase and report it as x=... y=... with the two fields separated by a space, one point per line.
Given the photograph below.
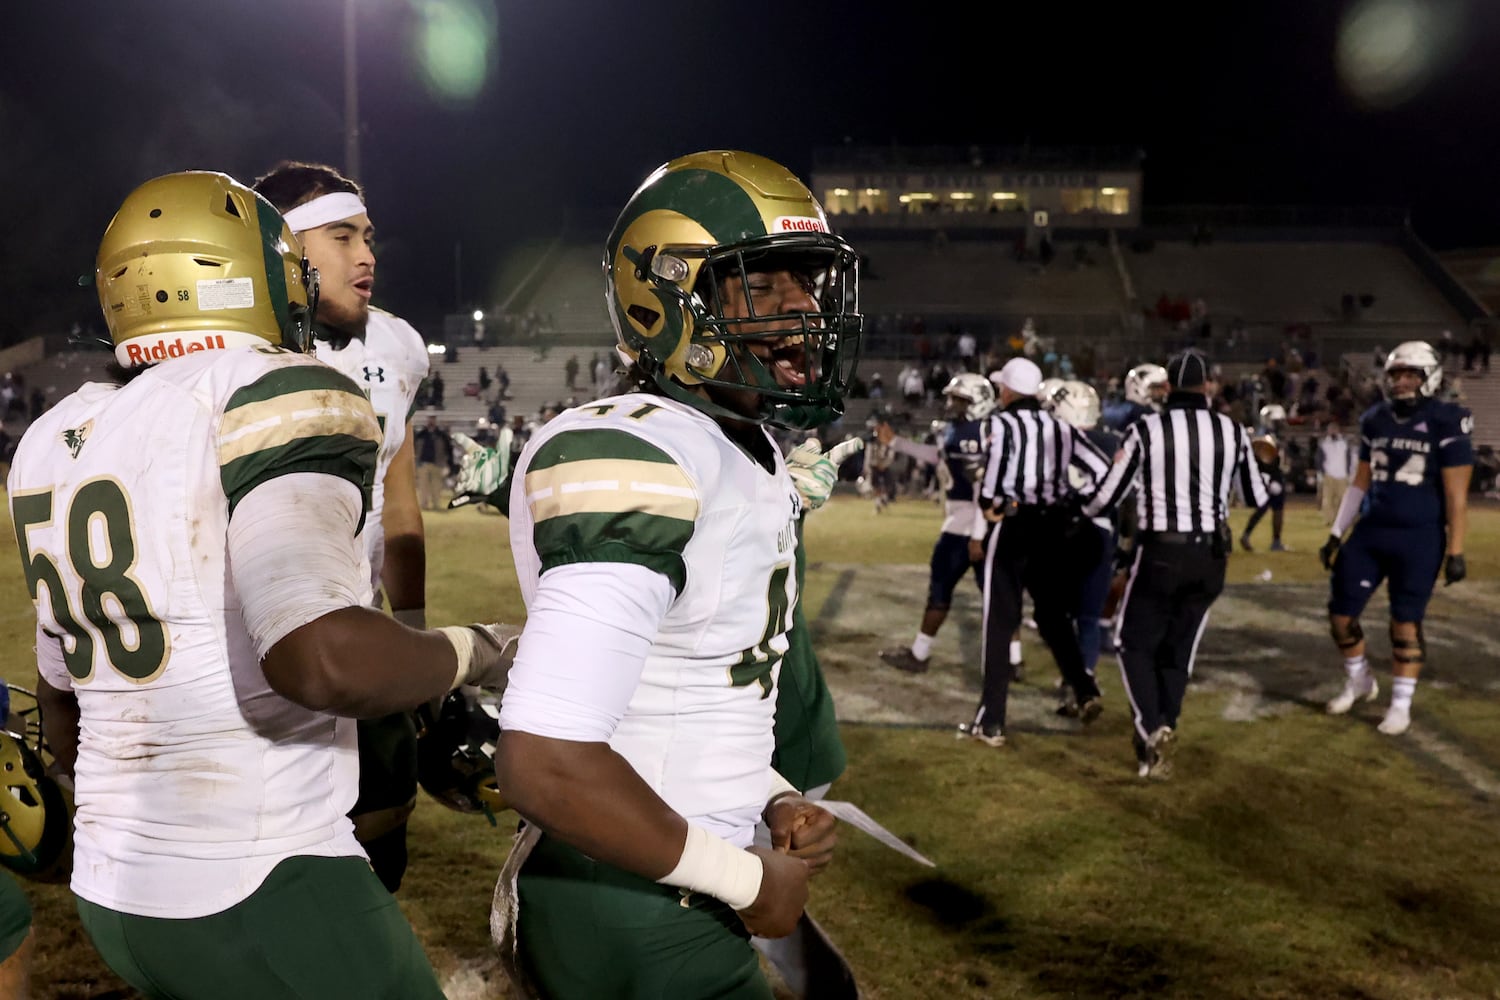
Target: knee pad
x=1409 y=651
x=1348 y=637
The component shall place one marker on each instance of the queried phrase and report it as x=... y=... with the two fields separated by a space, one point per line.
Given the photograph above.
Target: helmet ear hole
x=646 y=317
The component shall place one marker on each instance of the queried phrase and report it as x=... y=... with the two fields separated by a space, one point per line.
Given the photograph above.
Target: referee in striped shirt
x=1184 y=460
x=1042 y=544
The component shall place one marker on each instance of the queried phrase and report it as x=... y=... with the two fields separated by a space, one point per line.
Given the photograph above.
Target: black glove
x=1454 y=570
x=1329 y=552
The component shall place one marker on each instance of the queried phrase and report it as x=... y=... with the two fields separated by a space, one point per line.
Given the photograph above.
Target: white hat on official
x=1020 y=376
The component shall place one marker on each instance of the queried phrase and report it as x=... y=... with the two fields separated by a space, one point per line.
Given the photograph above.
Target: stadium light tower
x=351 y=94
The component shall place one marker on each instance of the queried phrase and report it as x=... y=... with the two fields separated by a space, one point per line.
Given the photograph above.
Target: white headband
x=322 y=210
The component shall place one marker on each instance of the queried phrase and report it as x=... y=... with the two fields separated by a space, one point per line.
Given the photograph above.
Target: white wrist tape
x=715 y=866
x=411 y=617
x=1348 y=510
x=780 y=786
x=463 y=639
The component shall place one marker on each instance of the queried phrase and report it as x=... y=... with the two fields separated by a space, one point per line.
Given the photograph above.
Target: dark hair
x=292 y=182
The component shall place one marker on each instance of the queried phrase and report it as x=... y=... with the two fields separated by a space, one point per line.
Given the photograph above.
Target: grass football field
x=1292 y=854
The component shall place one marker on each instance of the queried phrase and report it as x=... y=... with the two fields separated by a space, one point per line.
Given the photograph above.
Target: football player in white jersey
x=386 y=358
x=655 y=539
x=191 y=538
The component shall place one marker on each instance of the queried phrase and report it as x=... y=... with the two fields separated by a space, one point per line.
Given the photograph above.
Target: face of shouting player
x=782 y=294
x=344 y=254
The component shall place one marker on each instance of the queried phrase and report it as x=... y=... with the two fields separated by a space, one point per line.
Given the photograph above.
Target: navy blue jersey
x=1104 y=439
x=1119 y=416
x=1407 y=456
x=964 y=444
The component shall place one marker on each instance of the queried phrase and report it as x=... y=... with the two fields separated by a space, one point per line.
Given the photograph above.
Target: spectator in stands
x=968 y=350
x=570 y=372
x=877 y=386
x=496 y=413
x=938 y=377
x=502 y=378
x=913 y=387
x=484 y=383
x=1274 y=380
x=1477 y=349
x=435 y=391
x=434 y=452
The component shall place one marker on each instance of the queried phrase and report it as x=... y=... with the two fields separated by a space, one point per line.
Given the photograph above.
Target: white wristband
x=713 y=865
x=462 y=637
x=780 y=786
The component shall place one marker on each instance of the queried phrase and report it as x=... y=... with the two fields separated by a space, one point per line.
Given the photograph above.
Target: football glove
x=814 y=471
x=1330 y=550
x=486 y=653
x=482 y=473
x=1454 y=570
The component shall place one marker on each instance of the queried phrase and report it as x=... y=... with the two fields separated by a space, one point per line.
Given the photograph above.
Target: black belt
x=1182 y=537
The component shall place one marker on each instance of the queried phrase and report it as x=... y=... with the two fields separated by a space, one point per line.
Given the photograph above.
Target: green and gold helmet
x=196 y=261
x=36 y=816
x=708 y=217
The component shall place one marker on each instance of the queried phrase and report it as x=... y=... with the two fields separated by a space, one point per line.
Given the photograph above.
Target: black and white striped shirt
x=1187 y=457
x=1030 y=454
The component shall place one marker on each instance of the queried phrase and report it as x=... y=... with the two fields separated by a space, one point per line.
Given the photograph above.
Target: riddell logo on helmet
x=140 y=354
x=799 y=224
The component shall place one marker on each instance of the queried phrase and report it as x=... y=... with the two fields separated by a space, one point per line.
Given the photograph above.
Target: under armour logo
x=1365 y=584
x=377 y=374
x=1421 y=428
x=74 y=437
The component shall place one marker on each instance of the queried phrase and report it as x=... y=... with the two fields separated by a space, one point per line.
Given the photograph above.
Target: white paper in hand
x=858 y=818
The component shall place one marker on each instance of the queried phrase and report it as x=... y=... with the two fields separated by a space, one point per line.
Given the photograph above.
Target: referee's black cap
x=1188 y=370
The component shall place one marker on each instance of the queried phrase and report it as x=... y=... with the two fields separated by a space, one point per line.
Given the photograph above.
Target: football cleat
x=990 y=735
x=1091 y=710
x=1364 y=688
x=1159 y=748
x=1396 y=721
x=902 y=659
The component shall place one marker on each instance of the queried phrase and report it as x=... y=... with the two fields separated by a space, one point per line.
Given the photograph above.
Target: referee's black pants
x=1174 y=579
x=1033 y=551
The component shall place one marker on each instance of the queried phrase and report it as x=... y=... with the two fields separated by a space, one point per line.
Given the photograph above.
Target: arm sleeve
x=929 y=453
x=991 y=480
x=295 y=553
x=1121 y=477
x=1088 y=459
x=49 y=660
x=588 y=632
x=1252 y=483
x=1455 y=446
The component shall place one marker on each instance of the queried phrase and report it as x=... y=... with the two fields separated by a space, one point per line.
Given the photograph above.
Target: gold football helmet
x=197 y=261
x=1266 y=449
x=699 y=220
x=36 y=816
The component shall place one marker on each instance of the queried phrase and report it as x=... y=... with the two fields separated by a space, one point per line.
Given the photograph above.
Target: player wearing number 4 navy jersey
x=1415 y=458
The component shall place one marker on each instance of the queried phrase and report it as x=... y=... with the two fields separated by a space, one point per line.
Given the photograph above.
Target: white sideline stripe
x=1478 y=777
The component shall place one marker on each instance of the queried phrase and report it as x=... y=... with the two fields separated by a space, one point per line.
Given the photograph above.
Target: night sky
x=1333 y=102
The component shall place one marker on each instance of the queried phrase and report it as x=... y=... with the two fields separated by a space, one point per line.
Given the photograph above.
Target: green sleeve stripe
x=588 y=445
x=290 y=379
x=349 y=458
x=626 y=537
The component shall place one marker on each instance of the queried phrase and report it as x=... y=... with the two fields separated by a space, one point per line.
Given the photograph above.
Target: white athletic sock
x=1356 y=667
x=1015 y=651
x=921 y=646
x=1402 y=688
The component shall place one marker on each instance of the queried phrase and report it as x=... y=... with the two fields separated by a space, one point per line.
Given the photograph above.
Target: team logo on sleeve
x=74 y=437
